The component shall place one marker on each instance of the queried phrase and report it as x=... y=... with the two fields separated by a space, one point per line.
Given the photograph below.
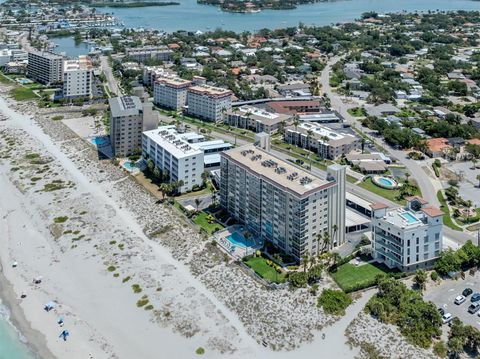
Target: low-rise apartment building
x=171 y=92
x=322 y=140
x=208 y=102
x=129 y=117
x=77 y=77
x=282 y=203
x=146 y=53
x=407 y=238
x=256 y=119
x=45 y=67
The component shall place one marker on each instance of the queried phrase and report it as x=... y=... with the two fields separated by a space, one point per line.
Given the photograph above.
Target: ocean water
x=11 y=342
x=192 y=16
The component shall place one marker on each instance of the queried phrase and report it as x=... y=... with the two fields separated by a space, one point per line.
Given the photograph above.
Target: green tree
x=420 y=279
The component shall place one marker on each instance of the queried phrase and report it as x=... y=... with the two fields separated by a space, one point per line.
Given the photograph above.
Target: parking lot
x=443 y=296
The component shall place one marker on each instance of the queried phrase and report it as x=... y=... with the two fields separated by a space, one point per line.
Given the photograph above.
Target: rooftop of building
x=125 y=106
x=277 y=171
x=321 y=133
x=210 y=90
x=82 y=63
x=168 y=139
x=47 y=55
x=261 y=115
x=173 y=81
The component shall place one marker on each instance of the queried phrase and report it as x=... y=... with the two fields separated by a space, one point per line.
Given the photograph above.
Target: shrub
x=334 y=301
x=142 y=301
x=440 y=349
x=136 y=288
x=111 y=268
x=60 y=219
x=57 y=118
x=297 y=279
x=200 y=351
x=434 y=276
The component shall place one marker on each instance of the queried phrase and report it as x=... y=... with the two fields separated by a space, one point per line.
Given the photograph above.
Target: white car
x=459 y=300
x=447 y=318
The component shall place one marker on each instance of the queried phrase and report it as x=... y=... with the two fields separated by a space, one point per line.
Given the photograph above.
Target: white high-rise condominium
x=407 y=238
x=282 y=203
x=174 y=156
x=208 y=102
x=170 y=92
x=77 y=77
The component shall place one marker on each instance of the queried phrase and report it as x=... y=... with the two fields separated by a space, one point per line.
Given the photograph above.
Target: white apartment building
x=322 y=140
x=282 y=203
x=45 y=67
x=129 y=117
x=256 y=119
x=77 y=77
x=171 y=92
x=407 y=238
x=177 y=157
x=208 y=102
x=143 y=54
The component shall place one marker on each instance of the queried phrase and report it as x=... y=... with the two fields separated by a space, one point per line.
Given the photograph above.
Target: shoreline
x=35 y=342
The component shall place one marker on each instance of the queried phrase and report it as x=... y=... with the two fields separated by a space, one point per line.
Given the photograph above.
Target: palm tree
x=363 y=144
x=305 y=259
x=223 y=111
x=325 y=241
x=309 y=135
x=478 y=179
x=197 y=203
x=407 y=176
x=474 y=162
x=247 y=115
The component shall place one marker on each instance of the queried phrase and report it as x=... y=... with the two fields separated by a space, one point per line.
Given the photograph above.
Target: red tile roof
x=432 y=211
x=378 y=205
x=418 y=198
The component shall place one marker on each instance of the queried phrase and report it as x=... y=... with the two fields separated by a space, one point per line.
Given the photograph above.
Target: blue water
x=69 y=47
x=239 y=240
x=11 y=346
x=386 y=182
x=129 y=166
x=100 y=141
x=410 y=218
x=192 y=16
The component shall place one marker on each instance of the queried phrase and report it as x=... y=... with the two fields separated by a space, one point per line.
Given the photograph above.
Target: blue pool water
x=239 y=240
x=386 y=182
x=129 y=166
x=409 y=217
x=100 y=141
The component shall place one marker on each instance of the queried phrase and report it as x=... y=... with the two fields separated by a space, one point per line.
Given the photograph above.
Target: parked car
x=441 y=311
x=475 y=297
x=459 y=300
x=467 y=291
x=473 y=308
x=447 y=318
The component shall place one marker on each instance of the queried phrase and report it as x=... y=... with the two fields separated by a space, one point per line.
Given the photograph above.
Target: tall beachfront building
x=77 y=77
x=208 y=102
x=282 y=203
x=129 y=117
x=45 y=67
x=170 y=92
x=407 y=238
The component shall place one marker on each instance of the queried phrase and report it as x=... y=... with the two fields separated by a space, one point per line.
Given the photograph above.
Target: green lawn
x=349 y=276
x=351 y=179
x=201 y=220
x=390 y=194
x=357 y=112
x=23 y=94
x=260 y=266
x=447 y=219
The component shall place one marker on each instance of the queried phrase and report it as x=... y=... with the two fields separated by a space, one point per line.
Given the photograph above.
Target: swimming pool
x=129 y=166
x=239 y=240
x=100 y=141
x=385 y=182
x=409 y=217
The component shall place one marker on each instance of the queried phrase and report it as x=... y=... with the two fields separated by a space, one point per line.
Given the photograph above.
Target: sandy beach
x=129 y=276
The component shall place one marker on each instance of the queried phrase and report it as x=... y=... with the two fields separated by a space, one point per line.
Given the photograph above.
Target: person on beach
x=64 y=334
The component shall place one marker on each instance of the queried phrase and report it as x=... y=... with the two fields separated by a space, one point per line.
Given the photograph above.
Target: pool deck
x=234 y=250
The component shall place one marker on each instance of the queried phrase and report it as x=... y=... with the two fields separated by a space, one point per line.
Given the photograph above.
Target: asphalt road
x=112 y=82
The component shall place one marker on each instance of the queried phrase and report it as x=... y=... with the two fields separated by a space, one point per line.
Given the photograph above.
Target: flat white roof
x=177 y=147
x=354 y=219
